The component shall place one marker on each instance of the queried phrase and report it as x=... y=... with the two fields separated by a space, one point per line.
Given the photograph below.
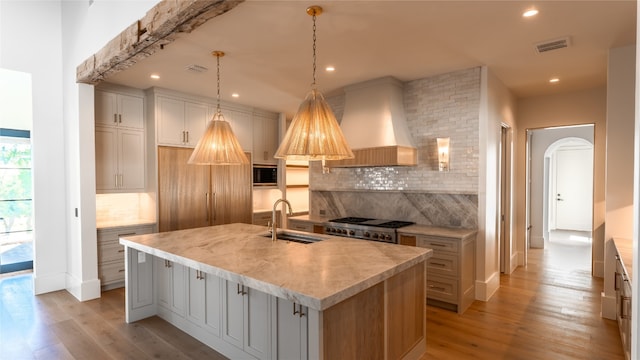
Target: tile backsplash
x=125 y=206
x=447 y=210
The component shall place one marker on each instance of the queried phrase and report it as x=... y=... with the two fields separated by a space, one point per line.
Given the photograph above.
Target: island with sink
x=316 y=297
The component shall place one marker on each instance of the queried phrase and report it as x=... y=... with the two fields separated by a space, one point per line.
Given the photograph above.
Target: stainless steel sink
x=295 y=236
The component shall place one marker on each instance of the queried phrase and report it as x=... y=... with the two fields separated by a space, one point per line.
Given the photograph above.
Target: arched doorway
x=560 y=199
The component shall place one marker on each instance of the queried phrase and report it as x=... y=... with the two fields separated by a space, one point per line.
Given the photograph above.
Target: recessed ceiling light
x=235 y=95
x=155 y=76
x=554 y=80
x=330 y=68
x=530 y=13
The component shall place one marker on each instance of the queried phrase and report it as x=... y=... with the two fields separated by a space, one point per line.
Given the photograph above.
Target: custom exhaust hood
x=374 y=124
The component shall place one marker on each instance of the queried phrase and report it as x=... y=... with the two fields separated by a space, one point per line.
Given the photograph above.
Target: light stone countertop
x=317 y=275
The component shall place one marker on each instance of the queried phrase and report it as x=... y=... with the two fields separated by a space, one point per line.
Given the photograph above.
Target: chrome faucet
x=274 y=227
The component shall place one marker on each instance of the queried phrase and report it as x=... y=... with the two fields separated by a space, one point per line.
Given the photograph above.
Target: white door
x=574 y=189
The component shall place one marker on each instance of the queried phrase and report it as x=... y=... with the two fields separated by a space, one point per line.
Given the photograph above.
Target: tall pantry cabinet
x=191 y=196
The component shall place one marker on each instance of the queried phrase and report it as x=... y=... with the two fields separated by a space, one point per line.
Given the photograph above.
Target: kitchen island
x=248 y=297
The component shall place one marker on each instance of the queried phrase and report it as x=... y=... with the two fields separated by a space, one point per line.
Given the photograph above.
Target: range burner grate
x=350 y=220
x=395 y=224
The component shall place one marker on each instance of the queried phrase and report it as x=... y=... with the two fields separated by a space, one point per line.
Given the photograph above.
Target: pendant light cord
x=218 y=84
x=314 y=50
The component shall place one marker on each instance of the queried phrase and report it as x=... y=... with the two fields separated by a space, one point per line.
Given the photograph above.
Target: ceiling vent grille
x=196 y=68
x=551 y=45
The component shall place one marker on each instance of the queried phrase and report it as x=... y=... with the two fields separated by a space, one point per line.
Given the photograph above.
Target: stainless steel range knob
x=351 y=232
x=375 y=235
x=366 y=234
x=387 y=237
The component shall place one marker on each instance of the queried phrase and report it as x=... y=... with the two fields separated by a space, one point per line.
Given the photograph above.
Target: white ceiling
x=269 y=52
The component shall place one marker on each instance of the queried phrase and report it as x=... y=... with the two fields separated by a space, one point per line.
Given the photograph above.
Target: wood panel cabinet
x=121 y=110
x=192 y=196
x=450 y=271
x=111 y=254
x=120 y=159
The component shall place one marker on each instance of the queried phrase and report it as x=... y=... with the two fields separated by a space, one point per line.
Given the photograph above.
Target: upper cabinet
x=120 y=140
x=121 y=110
x=180 y=123
x=241 y=123
x=265 y=138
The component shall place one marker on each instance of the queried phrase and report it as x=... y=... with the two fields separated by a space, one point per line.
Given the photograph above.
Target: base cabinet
x=246 y=316
x=622 y=285
x=111 y=260
x=245 y=323
x=450 y=271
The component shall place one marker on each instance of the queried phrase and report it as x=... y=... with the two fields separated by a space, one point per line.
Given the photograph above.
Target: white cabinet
x=265 y=138
x=204 y=301
x=290 y=330
x=111 y=254
x=120 y=159
x=241 y=123
x=180 y=123
x=120 y=110
x=171 y=286
x=246 y=319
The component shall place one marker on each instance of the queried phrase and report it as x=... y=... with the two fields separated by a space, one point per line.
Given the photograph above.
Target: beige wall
x=582 y=107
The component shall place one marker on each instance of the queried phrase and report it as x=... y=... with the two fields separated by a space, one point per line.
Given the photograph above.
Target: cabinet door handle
x=437 y=264
x=207 y=208
x=300 y=313
x=121 y=250
x=624 y=306
x=187 y=137
x=121 y=180
x=167 y=263
x=240 y=290
x=439 y=288
x=215 y=205
x=119 y=118
x=121 y=270
x=115 y=118
x=616 y=286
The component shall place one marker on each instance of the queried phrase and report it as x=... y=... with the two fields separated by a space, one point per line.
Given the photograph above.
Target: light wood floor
x=539 y=312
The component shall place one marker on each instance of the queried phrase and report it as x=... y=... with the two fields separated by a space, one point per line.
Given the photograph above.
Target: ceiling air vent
x=552 y=45
x=196 y=68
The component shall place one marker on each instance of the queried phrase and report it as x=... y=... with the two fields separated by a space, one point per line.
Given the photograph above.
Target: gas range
x=366 y=228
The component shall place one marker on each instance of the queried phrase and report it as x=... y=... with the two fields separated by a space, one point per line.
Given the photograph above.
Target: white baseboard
x=608 y=306
x=43 y=284
x=514 y=262
x=83 y=290
x=486 y=289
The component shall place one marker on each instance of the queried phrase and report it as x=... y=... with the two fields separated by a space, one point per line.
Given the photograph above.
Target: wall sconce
x=443 y=154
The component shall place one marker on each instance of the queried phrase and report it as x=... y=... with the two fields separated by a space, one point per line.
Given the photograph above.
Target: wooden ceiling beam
x=143 y=38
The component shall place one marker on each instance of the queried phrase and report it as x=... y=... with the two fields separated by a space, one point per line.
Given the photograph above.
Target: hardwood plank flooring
x=541 y=311
x=546 y=310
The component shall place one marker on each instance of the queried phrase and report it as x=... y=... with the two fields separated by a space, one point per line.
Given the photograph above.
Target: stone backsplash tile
x=447 y=210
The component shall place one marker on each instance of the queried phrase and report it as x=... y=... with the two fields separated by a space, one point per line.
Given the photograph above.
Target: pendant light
x=314 y=133
x=218 y=145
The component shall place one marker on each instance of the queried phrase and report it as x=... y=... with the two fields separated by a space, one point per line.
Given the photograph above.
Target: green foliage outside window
x=15 y=186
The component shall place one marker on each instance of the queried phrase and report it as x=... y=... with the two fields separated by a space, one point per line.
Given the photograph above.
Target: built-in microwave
x=265 y=175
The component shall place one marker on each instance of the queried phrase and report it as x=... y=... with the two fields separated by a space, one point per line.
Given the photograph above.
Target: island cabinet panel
x=405 y=311
x=171 y=286
x=290 y=329
x=355 y=327
x=204 y=305
x=246 y=319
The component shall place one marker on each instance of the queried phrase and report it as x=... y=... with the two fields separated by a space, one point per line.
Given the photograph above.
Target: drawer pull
x=127 y=234
x=121 y=270
x=121 y=250
x=436 y=244
x=438 y=264
x=439 y=288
